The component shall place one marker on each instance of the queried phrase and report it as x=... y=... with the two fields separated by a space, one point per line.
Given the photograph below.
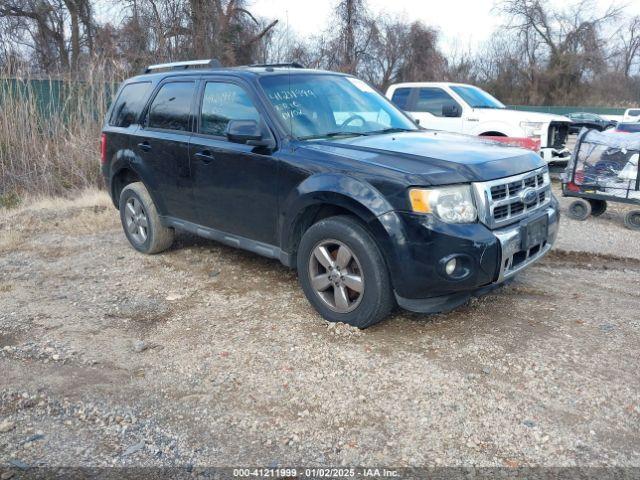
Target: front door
x=434 y=108
x=234 y=184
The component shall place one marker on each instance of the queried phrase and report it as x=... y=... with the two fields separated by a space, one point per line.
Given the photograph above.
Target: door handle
x=205 y=156
x=144 y=146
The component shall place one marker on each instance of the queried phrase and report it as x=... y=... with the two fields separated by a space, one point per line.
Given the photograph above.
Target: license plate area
x=534 y=232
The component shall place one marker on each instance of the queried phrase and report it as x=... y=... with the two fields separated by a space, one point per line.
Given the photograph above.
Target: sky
x=463 y=24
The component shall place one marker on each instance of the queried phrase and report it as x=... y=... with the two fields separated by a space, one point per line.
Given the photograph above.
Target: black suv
x=320 y=171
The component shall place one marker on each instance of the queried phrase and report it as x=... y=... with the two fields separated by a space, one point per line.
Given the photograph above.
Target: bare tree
x=628 y=45
x=568 y=40
x=41 y=25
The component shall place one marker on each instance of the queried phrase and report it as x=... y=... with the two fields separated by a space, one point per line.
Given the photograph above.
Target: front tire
x=579 y=209
x=343 y=274
x=141 y=222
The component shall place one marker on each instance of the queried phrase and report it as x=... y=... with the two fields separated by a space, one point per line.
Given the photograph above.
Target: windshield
x=319 y=106
x=477 y=98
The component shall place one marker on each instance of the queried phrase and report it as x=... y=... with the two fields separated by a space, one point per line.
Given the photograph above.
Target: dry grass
x=50 y=134
x=87 y=211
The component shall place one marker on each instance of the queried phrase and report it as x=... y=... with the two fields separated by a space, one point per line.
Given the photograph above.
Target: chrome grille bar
x=507 y=200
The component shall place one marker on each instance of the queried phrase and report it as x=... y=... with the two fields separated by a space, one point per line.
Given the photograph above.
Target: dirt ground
x=210 y=356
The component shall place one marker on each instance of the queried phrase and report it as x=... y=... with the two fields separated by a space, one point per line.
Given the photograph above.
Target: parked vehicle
x=456 y=107
x=631 y=115
x=603 y=168
x=588 y=120
x=320 y=171
x=629 y=127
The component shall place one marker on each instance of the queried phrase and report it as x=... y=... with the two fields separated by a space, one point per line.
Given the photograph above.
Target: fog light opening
x=451 y=266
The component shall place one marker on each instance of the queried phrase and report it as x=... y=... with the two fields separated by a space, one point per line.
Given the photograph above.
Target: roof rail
x=213 y=63
x=290 y=65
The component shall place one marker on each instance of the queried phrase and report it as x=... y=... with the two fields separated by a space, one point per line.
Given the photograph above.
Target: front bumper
x=494 y=257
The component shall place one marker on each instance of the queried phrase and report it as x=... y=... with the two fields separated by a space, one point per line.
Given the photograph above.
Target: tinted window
x=170 y=109
x=129 y=104
x=223 y=102
x=633 y=113
x=432 y=100
x=401 y=97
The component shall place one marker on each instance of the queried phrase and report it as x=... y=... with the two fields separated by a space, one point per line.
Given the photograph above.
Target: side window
x=171 y=108
x=400 y=97
x=129 y=104
x=432 y=100
x=221 y=103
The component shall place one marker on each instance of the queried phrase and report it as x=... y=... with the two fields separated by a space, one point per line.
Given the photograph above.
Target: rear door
x=163 y=146
x=234 y=184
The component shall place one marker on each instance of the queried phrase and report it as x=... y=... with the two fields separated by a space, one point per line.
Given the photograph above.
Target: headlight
x=532 y=129
x=450 y=204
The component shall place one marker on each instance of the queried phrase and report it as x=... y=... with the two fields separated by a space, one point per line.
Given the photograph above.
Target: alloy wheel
x=336 y=275
x=137 y=223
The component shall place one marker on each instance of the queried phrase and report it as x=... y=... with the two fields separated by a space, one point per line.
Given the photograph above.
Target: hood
x=523 y=115
x=436 y=157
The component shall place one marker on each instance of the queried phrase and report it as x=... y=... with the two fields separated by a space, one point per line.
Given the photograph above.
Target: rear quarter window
x=129 y=104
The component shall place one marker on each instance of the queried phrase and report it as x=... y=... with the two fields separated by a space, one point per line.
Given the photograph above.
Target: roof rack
x=267 y=65
x=212 y=63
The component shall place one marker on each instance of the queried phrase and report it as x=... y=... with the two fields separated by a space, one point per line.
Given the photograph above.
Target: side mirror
x=416 y=121
x=247 y=131
x=451 y=110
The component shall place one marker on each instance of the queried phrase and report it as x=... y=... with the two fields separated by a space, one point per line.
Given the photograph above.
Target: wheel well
x=120 y=180
x=492 y=134
x=314 y=213
x=309 y=216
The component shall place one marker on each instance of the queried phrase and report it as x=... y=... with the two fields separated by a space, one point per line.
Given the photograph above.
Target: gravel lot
x=210 y=356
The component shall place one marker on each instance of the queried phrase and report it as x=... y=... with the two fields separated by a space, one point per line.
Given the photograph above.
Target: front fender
x=338 y=190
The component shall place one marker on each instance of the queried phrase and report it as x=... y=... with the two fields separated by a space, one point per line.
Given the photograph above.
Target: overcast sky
x=462 y=23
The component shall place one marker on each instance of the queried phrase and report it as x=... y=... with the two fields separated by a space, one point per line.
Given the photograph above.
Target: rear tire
x=343 y=274
x=141 y=222
x=598 y=207
x=579 y=209
x=632 y=220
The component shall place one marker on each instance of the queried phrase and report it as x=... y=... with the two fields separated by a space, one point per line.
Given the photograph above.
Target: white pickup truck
x=456 y=107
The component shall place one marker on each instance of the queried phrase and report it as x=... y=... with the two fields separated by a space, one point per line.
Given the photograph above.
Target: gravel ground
x=210 y=356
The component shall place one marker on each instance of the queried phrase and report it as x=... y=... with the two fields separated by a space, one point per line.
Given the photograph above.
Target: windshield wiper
x=392 y=130
x=333 y=134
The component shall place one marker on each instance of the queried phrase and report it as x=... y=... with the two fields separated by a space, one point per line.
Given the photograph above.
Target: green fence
x=565 y=110
x=53 y=97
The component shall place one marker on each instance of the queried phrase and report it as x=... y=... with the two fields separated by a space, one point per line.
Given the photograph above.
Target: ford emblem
x=528 y=196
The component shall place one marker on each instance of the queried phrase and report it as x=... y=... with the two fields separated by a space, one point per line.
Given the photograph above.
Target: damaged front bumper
x=512 y=255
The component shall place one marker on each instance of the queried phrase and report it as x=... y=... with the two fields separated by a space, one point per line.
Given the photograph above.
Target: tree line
x=541 y=55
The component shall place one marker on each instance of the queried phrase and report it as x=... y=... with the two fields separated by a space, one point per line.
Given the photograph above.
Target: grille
x=502 y=201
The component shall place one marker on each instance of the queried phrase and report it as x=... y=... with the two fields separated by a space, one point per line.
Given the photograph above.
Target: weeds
x=50 y=134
